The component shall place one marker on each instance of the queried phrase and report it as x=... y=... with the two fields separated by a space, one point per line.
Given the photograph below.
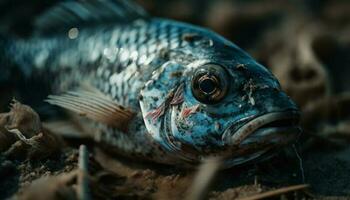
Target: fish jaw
x=274 y=123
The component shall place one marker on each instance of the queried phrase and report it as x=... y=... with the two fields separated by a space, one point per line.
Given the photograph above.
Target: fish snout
x=271 y=128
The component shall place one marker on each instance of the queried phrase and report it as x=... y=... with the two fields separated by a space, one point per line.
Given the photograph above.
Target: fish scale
x=158 y=89
x=126 y=43
x=135 y=45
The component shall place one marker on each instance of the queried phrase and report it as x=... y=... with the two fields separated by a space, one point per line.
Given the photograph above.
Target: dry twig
x=83 y=192
x=279 y=191
x=204 y=179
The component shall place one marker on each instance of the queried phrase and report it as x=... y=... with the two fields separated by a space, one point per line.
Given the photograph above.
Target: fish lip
x=286 y=121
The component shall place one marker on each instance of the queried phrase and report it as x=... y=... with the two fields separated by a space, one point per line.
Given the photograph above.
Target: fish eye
x=209 y=83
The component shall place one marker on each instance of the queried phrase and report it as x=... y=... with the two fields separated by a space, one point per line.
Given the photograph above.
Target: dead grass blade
x=204 y=179
x=83 y=192
x=276 y=192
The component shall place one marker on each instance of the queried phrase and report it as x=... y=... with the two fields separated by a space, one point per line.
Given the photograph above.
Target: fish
x=153 y=89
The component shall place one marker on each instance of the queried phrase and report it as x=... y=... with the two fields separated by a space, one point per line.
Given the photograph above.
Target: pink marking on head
x=178 y=97
x=173 y=98
x=189 y=111
x=155 y=114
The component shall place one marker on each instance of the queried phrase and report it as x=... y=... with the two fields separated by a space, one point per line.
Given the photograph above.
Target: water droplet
x=73 y=33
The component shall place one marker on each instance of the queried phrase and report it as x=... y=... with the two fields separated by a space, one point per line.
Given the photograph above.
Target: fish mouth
x=272 y=127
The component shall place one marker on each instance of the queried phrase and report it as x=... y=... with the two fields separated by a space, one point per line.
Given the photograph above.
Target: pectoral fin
x=95 y=106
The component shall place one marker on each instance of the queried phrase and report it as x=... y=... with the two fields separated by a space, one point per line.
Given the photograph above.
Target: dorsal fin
x=79 y=13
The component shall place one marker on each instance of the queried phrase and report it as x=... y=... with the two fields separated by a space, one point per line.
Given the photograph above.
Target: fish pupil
x=208 y=86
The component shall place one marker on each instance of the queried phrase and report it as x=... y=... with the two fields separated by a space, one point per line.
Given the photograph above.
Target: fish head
x=230 y=107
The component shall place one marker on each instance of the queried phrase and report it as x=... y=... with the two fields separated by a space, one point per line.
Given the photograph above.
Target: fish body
x=179 y=92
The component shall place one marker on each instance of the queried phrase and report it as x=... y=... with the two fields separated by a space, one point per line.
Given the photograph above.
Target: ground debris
x=238 y=192
x=277 y=192
x=70 y=185
x=327 y=120
x=24 y=136
x=54 y=187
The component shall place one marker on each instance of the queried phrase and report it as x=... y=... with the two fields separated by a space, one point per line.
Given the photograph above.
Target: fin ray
x=100 y=101
x=93 y=105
